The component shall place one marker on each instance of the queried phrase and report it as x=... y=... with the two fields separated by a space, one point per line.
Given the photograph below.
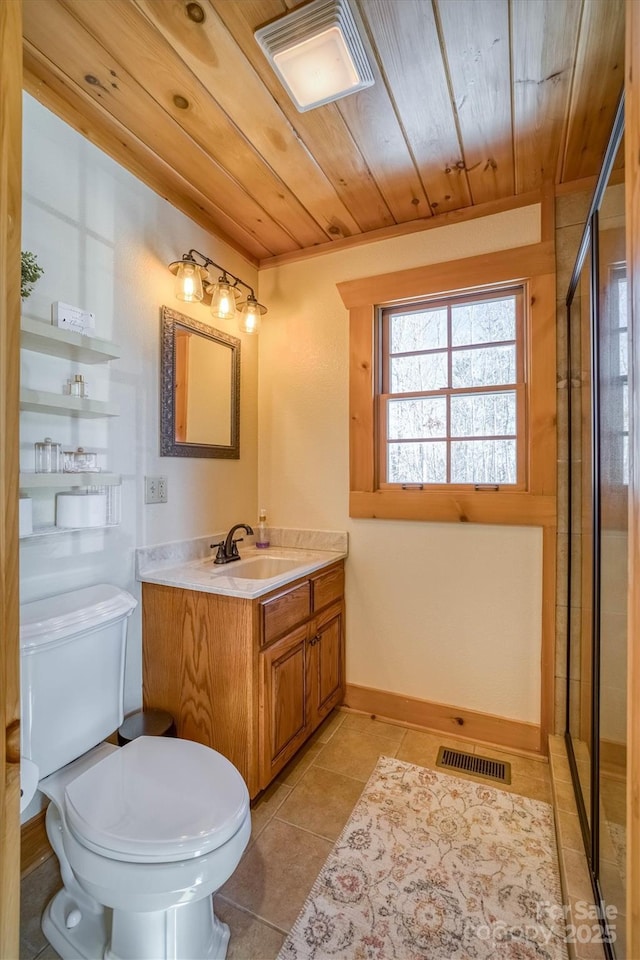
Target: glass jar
x=48 y=456
x=114 y=503
x=80 y=461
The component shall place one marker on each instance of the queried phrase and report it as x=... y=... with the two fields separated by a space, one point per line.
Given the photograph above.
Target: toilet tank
x=72 y=654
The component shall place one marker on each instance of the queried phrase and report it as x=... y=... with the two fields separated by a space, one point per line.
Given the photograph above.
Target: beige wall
x=443 y=612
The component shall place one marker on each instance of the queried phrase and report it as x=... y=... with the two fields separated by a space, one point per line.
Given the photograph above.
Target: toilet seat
x=157 y=800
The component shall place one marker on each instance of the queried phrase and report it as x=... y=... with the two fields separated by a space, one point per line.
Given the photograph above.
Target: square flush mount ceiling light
x=317 y=52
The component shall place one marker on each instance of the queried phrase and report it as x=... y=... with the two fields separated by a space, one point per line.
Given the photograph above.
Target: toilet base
x=87 y=940
x=188 y=931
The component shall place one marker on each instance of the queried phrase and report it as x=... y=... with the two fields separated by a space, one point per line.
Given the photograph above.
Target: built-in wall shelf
x=66 y=480
x=38 y=401
x=50 y=530
x=42 y=337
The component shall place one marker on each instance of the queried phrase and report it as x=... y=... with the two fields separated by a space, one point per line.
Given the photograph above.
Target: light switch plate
x=156 y=489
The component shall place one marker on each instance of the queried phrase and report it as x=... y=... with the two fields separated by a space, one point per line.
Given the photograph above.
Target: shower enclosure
x=598 y=425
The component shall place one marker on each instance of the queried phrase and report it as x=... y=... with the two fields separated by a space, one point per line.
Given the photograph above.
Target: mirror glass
x=200 y=389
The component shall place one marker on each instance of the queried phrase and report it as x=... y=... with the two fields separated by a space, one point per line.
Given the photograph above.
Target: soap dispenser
x=262 y=531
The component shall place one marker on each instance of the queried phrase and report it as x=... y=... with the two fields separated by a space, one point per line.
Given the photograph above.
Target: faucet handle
x=220 y=553
x=234 y=549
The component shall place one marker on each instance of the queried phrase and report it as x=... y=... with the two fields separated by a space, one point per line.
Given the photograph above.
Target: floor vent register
x=473 y=764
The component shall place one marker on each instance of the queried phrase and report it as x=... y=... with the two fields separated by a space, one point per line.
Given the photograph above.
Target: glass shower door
x=581 y=534
x=614 y=478
x=598 y=526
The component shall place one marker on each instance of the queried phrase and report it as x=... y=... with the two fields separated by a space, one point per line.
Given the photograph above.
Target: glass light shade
x=188 y=286
x=223 y=300
x=318 y=69
x=250 y=316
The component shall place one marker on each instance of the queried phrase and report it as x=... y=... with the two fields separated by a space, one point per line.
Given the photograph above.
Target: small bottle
x=77 y=387
x=262 y=531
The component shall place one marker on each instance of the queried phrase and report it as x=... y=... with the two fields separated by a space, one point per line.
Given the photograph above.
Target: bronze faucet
x=227 y=549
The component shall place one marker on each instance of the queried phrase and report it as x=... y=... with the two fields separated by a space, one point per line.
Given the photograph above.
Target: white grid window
x=451 y=392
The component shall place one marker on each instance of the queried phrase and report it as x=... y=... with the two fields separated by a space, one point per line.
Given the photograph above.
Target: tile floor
x=573 y=866
x=295 y=824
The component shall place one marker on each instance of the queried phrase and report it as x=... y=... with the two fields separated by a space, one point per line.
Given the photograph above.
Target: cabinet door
x=285 y=697
x=327 y=666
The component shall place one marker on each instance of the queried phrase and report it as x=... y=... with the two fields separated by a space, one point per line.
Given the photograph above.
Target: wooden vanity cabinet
x=250 y=678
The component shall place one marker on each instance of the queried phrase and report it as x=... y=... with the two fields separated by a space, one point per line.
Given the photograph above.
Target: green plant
x=31 y=273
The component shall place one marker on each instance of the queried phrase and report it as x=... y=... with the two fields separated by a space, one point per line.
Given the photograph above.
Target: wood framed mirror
x=199 y=389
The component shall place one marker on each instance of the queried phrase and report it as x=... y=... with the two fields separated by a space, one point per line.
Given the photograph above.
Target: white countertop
x=202 y=574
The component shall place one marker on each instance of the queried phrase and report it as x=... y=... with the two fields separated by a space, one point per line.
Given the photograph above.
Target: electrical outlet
x=155 y=489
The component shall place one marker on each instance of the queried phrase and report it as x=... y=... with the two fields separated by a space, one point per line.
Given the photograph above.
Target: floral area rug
x=432 y=866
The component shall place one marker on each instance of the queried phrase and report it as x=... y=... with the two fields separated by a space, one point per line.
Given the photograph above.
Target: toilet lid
x=157 y=799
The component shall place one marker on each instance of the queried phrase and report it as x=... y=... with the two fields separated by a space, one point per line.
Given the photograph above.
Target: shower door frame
x=590 y=824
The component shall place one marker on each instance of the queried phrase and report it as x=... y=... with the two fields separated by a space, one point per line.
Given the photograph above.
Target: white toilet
x=144 y=833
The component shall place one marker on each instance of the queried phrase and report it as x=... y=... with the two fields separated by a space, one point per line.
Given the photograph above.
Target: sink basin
x=258 y=568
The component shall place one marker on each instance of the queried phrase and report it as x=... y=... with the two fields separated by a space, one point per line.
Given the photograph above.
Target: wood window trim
x=533 y=264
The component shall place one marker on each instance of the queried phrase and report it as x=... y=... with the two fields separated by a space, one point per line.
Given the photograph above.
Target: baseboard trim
x=34 y=844
x=498 y=731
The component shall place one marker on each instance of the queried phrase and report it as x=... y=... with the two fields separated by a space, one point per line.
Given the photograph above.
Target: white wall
x=104 y=240
x=448 y=613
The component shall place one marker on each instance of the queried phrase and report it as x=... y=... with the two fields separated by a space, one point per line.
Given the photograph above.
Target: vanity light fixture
x=317 y=52
x=223 y=298
x=193 y=284
x=189 y=277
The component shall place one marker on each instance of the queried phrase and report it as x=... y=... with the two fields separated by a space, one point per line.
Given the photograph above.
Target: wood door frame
x=10 y=224
x=632 y=207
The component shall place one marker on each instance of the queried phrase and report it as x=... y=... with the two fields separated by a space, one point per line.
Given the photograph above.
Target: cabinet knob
x=314 y=640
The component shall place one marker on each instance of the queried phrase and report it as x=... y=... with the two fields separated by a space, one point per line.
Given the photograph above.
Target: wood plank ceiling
x=474 y=101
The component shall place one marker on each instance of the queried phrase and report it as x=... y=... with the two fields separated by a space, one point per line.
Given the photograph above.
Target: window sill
x=474 y=506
